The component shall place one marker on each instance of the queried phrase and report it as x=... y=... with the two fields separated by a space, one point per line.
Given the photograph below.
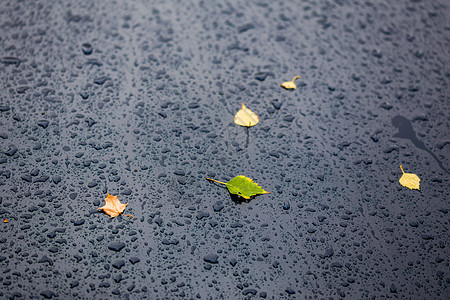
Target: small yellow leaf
x=410 y=180
x=113 y=207
x=290 y=85
x=245 y=117
x=5 y=220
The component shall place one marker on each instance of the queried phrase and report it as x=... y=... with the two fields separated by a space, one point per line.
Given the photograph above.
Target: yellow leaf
x=113 y=207
x=245 y=117
x=242 y=186
x=410 y=180
x=290 y=85
x=5 y=220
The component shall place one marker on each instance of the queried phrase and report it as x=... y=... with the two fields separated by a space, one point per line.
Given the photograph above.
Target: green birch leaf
x=242 y=186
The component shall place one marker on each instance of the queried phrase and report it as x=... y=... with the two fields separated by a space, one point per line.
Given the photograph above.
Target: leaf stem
x=402 y=169
x=295 y=78
x=216 y=181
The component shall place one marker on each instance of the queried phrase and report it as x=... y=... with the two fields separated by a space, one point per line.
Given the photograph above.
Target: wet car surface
x=137 y=99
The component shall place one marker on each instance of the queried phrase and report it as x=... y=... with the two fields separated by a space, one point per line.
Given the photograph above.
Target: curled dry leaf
x=113 y=207
x=245 y=117
x=290 y=85
x=410 y=180
x=242 y=186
